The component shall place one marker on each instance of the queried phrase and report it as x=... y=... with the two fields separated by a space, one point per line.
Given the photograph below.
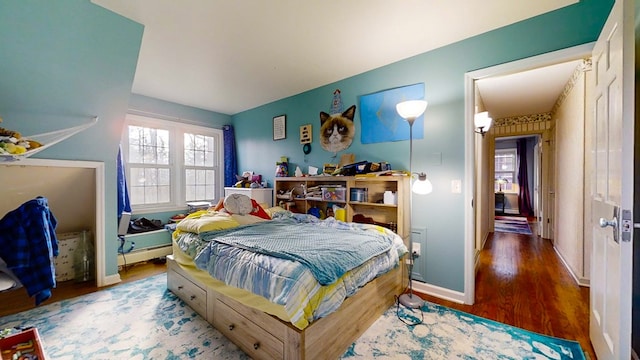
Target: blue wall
x=147 y=106
x=60 y=63
x=63 y=61
x=441 y=152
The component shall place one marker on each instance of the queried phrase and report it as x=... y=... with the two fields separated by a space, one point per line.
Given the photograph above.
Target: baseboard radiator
x=145 y=254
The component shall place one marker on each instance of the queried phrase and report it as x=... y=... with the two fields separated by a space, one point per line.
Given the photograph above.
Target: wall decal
x=337 y=129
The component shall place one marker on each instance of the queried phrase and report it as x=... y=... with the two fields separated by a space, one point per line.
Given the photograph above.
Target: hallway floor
x=521 y=281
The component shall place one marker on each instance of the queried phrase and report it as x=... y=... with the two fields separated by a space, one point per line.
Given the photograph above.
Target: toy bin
x=25 y=342
x=334 y=193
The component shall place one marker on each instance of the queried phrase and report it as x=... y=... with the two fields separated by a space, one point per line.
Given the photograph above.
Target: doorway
x=516 y=168
x=483 y=203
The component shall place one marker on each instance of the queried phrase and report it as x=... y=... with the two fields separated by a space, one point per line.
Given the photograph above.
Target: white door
x=536 y=180
x=612 y=179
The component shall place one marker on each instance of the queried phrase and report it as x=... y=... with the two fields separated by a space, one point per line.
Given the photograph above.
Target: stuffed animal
x=12 y=142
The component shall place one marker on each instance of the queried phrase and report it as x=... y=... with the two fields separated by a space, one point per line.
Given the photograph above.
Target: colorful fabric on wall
x=123 y=194
x=230 y=161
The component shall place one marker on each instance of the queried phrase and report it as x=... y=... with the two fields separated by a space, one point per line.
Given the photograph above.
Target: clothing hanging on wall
x=28 y=244
x=124 y=204
x=230 y=162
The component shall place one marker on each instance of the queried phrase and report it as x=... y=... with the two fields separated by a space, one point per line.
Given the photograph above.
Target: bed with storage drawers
x=283 y=305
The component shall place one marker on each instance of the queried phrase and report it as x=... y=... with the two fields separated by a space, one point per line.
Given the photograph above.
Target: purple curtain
x=230 y=162
x=524 y=198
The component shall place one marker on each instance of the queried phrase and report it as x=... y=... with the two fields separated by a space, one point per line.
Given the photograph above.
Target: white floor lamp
x=410 y=110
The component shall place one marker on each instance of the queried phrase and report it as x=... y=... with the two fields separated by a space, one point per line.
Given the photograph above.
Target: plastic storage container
x=359 y=194
x=334 y=193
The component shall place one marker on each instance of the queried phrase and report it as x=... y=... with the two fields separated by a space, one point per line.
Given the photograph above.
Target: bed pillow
x=238 y=204
x=203 y=220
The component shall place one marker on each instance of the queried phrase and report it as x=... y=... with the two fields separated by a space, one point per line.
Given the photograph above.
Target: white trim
x=144 y=254
x=439 y=292
x=176 y=164
x=568 y=54
x=101 y=279
x=111 y=279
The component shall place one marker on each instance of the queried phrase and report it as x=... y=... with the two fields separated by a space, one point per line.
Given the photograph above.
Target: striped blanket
x=287 y=282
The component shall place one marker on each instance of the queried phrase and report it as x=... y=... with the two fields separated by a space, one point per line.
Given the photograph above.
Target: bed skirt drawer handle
x=256 y=346
x=193 y=297
x=231 y=327
x=180 y=287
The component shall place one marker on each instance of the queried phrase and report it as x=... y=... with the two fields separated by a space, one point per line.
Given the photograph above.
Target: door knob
x=613 y=222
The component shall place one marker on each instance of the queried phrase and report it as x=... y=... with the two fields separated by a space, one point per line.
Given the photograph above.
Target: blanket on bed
x=328 y=249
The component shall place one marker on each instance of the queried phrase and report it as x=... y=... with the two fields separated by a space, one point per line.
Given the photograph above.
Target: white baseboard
x=581 y=281
x=110 y=280
x=439 y=292
x=144 y=255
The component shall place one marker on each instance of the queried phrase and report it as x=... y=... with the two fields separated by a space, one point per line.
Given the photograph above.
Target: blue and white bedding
x=273 y=261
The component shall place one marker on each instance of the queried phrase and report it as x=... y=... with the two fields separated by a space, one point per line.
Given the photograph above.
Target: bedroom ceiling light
x=410 y=111
x=482 y=122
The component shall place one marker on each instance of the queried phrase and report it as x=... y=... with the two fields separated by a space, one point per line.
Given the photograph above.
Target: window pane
x=210 y=190
x=135 y=135
x=198 y=150
x=151 y=176
x=164 y=194
x=137 y=195
x=505 y=162
x=164 y=177
x=200 y=184
x=150 y=194
x=200 y=192
x=148 y=145
x=209 y=152
x=190 y=177
x=190 y=193
x=135 y=154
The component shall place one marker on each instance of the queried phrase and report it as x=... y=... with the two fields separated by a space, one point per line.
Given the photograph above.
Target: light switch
x=456 y=186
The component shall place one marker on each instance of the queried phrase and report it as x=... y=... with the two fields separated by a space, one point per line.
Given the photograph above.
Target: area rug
x=143 y=320
x=512 y=224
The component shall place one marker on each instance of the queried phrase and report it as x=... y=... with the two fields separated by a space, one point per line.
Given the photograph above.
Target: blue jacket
x=28 y=244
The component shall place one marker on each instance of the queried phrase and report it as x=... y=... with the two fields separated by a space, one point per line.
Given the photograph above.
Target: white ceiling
x=528 y=92
x=231 y=56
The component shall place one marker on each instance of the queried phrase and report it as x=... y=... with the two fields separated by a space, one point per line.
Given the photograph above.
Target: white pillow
x=238 y=204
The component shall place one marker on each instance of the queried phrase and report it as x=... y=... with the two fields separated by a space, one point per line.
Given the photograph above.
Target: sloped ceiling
x=230 y=56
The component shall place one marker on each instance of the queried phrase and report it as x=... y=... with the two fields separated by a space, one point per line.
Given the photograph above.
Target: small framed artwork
x=279 y=127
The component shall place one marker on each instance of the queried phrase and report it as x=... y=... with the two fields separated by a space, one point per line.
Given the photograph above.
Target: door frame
x=551 y=58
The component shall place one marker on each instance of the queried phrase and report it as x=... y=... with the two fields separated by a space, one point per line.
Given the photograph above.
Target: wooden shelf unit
x=373 y=207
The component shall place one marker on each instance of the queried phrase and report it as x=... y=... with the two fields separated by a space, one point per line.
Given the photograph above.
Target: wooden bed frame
x=263 y=336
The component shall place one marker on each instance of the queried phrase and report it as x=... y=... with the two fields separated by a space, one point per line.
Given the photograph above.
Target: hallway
x=521 y=281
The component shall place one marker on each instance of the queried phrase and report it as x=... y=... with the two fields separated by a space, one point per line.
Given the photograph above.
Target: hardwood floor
x=520 y=281
x=15 y=301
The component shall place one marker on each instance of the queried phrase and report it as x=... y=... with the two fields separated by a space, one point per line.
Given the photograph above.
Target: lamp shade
x=422 y=186
x=482 y=121
x=411 y=109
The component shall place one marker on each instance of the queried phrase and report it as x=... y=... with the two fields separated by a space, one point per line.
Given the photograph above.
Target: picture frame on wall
x=279 y=127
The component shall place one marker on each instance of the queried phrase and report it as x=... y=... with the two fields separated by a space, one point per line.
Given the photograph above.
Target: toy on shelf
x=248 y=180
x=14 y=146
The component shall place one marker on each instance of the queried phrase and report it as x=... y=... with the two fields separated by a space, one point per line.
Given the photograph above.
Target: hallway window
x=506 y=168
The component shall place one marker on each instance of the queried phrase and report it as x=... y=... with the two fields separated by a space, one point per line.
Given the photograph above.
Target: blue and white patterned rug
x=143 y=320
x=512 y=224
